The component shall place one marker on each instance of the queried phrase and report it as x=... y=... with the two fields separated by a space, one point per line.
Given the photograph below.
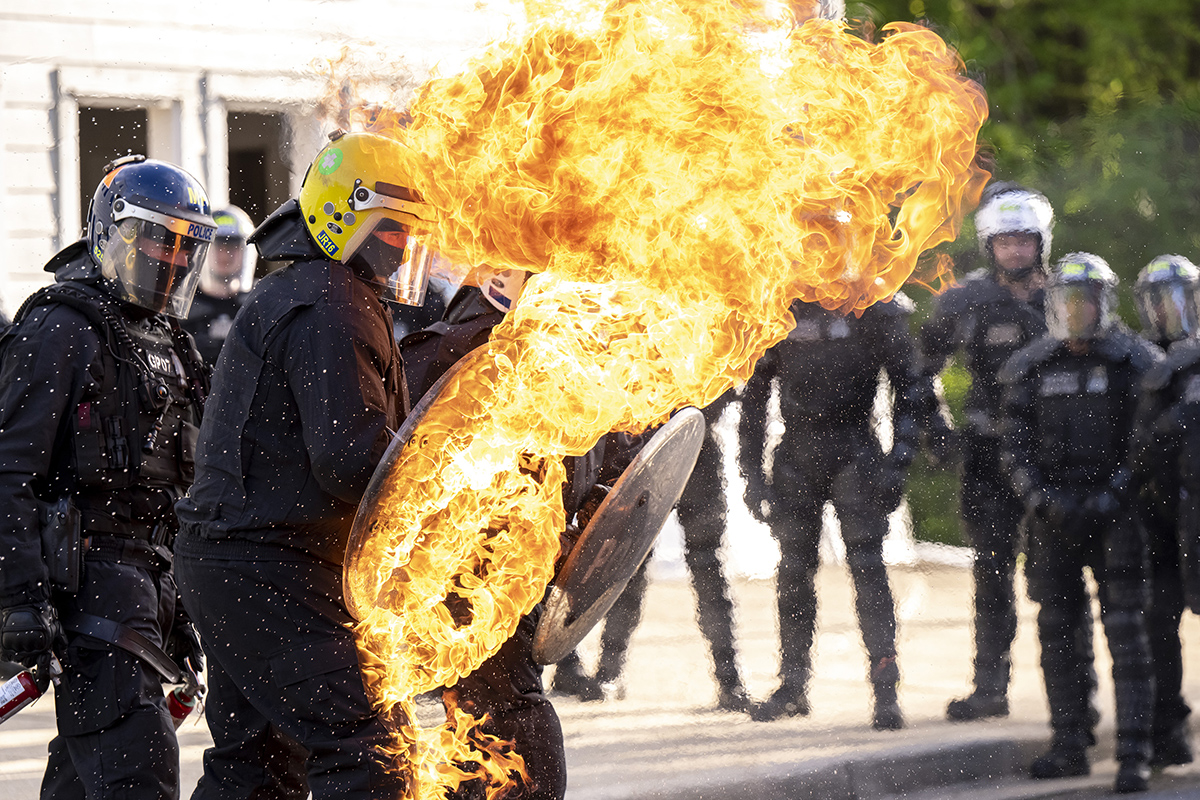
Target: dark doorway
x=258 y=163
x=106 y=134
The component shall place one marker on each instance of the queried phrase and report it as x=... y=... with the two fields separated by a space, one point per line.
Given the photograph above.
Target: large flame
x=678 y=172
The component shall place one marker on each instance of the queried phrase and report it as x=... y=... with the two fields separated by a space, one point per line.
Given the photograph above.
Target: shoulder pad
x=1122 y=343
x=1183 y=355
x=73 y=263
x=283 y=237
x=900 y=305
x=1025 y=359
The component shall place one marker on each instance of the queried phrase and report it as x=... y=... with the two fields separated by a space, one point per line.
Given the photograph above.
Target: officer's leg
x=508 y=686
x=113 y=724
x=796 y=526
x=702 y=515
x=135 y=757
x=61 y=781
x=280 y=631
x=1171 y=741
x=1055 y=574
x=864 y=526
x=619 y=625
x=991 y=516
x=250 y=757
x=1124 y=595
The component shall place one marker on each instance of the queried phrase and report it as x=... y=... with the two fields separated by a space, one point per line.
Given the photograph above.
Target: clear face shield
x=229 y=269
x=1168 y=310
x=397 y=260
x=155 y=259
x=1076 y=311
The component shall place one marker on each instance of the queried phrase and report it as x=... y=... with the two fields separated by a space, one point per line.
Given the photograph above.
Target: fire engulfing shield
x=619 y=536
x=361 y=581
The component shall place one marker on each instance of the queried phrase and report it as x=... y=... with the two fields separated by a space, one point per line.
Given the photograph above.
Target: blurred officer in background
x=828 y=370
x=994 y=312
x=100 y=399
x=702 y=515
x=309 y=388
x=225 y=280
x=1166 y=299
x=1069 y=407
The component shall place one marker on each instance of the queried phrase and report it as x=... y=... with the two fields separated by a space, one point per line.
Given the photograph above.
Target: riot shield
x=619 y=536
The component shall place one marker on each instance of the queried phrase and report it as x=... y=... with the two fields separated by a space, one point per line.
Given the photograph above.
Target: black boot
x=1060 y=761
x=732 y=697
x=1133 y=775
x=885 y=678
x=570 y=679
x=977 y=706
x=1172 y=747
x=789 y=700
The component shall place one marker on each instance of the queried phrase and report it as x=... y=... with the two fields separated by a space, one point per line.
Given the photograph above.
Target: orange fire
x=677 y=172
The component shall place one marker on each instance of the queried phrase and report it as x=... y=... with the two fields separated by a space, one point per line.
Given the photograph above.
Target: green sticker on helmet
x=330 y=162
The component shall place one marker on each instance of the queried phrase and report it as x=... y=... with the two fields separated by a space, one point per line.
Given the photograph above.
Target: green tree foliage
x=1094 y=102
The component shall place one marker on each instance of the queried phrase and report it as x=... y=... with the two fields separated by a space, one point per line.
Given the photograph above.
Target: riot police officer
x=1166 y=299
x=100 y=396
x=994 y=312
x=1069 y=402
x=828 y=370
x=308 y=389
x=227 y=276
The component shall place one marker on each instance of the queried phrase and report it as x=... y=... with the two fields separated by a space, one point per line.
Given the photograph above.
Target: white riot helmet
x=1080 y=297
x=1166 y=298
x=1010 y=208
x=501 y=288
x=229 y=268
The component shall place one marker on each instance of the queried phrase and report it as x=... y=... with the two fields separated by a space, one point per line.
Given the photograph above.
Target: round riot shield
x=619 y=536
x=361 y=583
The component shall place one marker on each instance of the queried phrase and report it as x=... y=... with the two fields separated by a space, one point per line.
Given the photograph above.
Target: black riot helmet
x=148 y=228
x=1080 y=297
x=1165 y=293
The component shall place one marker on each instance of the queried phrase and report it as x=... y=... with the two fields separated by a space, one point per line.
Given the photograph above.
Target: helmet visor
x=400 y=261
x=154 y=268
x=229 y=268
x=1075 y=311
x=1168 y=310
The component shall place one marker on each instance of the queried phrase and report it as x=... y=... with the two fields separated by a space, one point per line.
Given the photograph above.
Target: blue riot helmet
x=1165 y=293
x=148 y=228
x=1080 y=297
x=229 y=269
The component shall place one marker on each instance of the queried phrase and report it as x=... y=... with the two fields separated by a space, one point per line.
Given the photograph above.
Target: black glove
x=887 y=486
x=1102 y=506
x=759 y=497
x=183 y=646
x=28 y=635
x=942 y=445
x=1051 y=505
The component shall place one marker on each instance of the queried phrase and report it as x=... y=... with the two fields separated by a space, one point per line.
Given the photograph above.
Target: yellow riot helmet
x=358 y=209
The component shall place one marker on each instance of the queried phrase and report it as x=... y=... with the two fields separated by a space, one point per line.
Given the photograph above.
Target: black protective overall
x=309 y=386
x=988 y=324
x=1068 y=430
x=828 y=369
x=96 y=403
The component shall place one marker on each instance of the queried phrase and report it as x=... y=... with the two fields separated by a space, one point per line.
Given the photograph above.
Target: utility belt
x=69 y=534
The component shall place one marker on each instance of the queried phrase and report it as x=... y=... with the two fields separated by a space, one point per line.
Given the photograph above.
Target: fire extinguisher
x=22 y=689
x=183 y=699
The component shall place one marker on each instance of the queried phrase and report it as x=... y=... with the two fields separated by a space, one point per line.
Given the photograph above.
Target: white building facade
x=225 y=89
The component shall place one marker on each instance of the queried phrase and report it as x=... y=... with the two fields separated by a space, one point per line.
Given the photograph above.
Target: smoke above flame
x=677 y=172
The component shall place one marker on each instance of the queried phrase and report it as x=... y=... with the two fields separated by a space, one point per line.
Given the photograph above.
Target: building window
x=105 y=134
